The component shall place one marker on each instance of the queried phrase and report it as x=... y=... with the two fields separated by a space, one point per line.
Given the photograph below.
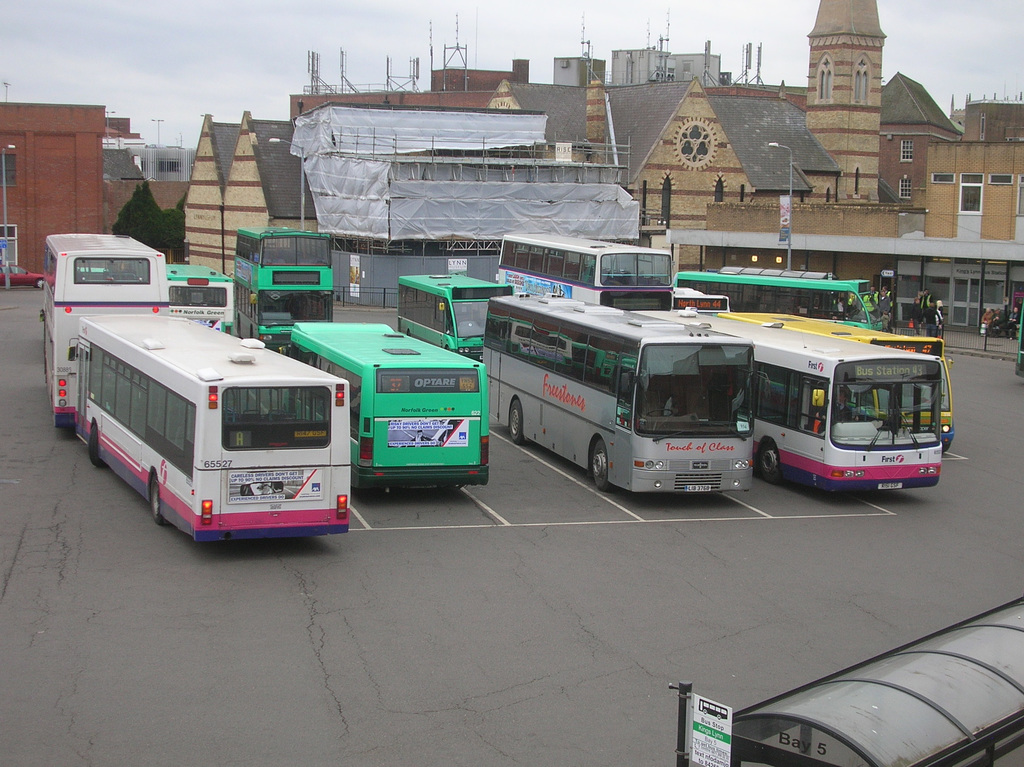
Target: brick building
x=911 y=120
x=54 y=174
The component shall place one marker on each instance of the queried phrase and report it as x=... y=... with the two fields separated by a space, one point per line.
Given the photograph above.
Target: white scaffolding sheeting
x=351 y=159
x=351 y=130
x=488 y=210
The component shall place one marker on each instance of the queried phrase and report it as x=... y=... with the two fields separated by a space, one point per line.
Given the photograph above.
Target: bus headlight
x=945 y=428
x=659 y=465
x=741 y=463
x=928 y=470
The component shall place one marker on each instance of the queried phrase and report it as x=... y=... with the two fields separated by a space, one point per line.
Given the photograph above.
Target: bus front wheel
x=94 y=445
x=154 y=500
x=515 y=422
x=768 y=463
x=599 y=465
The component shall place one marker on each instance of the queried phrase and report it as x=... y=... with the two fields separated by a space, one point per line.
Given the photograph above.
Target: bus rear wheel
x=515 y=423
x=154 y=500
x=94 y=446
x=599 y=465
x=768 y=463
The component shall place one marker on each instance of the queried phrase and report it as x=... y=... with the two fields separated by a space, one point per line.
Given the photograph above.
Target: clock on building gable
x=695 y=143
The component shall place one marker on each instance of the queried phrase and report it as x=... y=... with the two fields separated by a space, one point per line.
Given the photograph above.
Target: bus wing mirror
x=818 y=398
x=626 y=380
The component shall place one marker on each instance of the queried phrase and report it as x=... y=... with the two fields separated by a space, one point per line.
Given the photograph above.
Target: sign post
x=703 y=730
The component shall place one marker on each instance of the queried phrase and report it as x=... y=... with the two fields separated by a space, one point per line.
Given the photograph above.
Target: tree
x=142 y=219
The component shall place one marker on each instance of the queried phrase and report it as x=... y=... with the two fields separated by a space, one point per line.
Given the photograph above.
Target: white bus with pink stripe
x=224 y=438
x=837 y=414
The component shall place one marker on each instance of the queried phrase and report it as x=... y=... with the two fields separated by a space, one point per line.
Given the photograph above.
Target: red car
x=20 y=277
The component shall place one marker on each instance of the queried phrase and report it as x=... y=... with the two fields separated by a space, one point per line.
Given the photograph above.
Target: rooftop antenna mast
x=346 y=86
x=757 y=78
x=408 y=84
x=745 y=56
x=661 y=73
x=587 y=51
x=317 y=84
x=459 y=52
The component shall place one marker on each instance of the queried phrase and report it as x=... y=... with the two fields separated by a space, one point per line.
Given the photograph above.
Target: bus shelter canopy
x=940 y=701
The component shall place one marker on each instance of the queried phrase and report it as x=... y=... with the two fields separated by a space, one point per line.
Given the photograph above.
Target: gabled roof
x=752 y=122
x=223 y=137
x=906 y=102
x=279 y=169
x=640 y=114
x=565 y=106
x=118 y=165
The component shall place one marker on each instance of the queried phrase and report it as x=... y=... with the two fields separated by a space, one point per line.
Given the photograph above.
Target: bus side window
x=588 y=266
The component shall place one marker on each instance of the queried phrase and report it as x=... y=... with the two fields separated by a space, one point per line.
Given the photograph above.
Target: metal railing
x=368 y=298
x=971 y=340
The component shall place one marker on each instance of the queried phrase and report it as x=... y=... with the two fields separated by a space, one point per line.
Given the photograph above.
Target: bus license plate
x=890 y=485
x=697 y=488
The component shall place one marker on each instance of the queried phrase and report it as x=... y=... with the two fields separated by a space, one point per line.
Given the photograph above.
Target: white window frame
x=907 y=150
x=1000 y=179
x=905 y=188
x=943 y=178
x=972 y=181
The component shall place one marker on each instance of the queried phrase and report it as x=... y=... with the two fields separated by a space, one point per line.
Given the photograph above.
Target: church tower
x=844 y=98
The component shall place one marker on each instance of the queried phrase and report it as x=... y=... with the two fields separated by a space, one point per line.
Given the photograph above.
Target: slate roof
x=279 y=170
x=640 y=114
x=906 y=102
x=565 y=106
x=751 y=122
x=223 y=137
x=118 y=165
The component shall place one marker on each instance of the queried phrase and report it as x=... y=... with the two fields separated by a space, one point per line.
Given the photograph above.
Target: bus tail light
x=207 y=514
x=342 y=509
x=62 y=391
x=366 y=451
x=485 y=450
x=339 y=395
x=212 y=397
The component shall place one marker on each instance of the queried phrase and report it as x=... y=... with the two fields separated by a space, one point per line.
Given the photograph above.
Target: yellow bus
x=920 y=344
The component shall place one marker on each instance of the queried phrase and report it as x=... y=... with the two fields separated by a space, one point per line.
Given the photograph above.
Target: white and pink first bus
x=87 y=275
x=224 y=438
x=838 y=414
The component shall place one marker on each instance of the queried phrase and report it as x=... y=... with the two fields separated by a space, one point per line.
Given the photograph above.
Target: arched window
x=828 y=194
x=743 y=192
x=825 y=79
x=666 y=200
x=856 y=181
x=861 y=81
x=719 y=190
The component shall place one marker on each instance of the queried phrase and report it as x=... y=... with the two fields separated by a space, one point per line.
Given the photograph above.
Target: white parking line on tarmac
x=487 y=509
x=593 y=491
x=357 y=515
x=954 y=457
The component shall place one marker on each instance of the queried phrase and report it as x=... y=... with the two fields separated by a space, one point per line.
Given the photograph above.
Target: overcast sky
x=174 y=62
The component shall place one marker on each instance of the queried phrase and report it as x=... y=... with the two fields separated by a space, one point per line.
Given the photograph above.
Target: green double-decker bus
x=447 y=310
x=418 y=412
x=282 y=276
x=815 y=295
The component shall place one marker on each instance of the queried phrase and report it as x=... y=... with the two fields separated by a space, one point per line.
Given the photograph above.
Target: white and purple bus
x=606 y=273
x=838 y=414
x=87 y=275
x=224 y=438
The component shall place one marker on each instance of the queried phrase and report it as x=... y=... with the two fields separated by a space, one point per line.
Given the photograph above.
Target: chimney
x=596 y=123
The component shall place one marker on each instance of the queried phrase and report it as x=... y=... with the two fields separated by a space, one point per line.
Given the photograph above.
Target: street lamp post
x=3 y=176
x=789 y=237
x=154 y=120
